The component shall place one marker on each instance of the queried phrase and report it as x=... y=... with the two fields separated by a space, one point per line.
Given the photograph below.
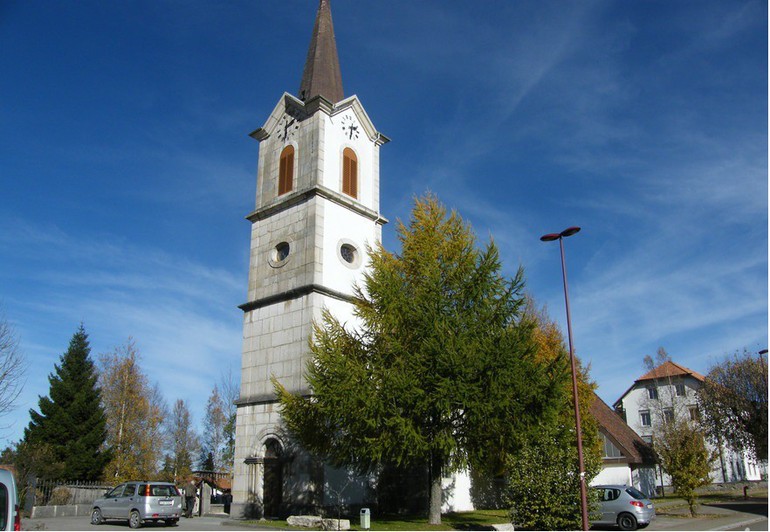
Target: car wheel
x=96 y=517
x=627 y=522
x=134 y=519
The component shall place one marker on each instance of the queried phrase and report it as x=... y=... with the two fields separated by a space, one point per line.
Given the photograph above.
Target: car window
x=117 y=491
x=130 y=490
x=162 y=490
x=3 y=506
x=635 y=493
x=608 y=494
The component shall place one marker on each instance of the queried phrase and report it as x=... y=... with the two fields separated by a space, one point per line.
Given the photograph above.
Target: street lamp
x=583 y=500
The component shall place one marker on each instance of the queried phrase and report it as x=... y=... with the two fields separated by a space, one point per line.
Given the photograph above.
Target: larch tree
x=70 y=425
x=135 y=414
x=441 y=371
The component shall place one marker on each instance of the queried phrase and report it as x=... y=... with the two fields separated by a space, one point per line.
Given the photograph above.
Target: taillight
x=17 y=519
x=147 y=490
x=638 y=504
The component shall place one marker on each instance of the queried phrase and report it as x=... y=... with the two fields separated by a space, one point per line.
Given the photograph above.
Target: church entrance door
x=273 y=492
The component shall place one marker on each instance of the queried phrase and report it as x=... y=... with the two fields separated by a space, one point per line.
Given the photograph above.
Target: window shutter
x=349 y=173
x=286 y=170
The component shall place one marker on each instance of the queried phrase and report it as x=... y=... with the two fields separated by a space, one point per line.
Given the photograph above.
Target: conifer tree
x=442 y=371
x=71 y=423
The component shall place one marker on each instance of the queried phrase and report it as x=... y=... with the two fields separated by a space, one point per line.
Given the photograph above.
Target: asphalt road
x=738 y=516
x=84 y=523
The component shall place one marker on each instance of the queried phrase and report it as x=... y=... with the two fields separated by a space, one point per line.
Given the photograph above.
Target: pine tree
x=71 y=422
x=442 y=373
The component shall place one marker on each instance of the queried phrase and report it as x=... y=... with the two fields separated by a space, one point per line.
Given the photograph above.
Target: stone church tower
x=317 y=208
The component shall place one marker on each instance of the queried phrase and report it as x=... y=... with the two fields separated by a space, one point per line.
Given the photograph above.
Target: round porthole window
x=280 y=254
x=348 y=254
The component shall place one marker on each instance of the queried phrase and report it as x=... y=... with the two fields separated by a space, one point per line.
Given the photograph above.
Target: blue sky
x=127 y=170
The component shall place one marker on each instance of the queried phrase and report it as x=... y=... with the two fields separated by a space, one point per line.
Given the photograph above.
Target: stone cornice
x=295 y=293
x=302 y=196
x=264 y=399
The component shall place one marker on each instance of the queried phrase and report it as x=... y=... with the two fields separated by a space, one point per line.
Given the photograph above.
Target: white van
x=10 y=516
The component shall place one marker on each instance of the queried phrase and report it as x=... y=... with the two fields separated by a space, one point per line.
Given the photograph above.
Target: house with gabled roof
x=671 y=390
x=626 y=457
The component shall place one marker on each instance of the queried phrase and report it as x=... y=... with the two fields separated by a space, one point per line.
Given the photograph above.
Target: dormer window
x=286 y=171
x=350 y=173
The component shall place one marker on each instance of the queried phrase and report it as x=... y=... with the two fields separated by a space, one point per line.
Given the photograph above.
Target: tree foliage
x=135 y=413
x=543 y=488
x=214 y=426
x=681 y=449
x=230 y=391
x=440 y=371
x=183 y=443
x=544 y=484
x=734 y=403
x=70 y=426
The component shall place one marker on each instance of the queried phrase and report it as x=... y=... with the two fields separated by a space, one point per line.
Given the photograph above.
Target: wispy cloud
x=182 y=314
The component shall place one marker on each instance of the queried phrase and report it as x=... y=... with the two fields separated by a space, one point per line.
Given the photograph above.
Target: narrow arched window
x=286 y=170
x=350 y=173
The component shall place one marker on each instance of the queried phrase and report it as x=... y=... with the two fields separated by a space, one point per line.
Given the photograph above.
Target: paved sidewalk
x=713 y=516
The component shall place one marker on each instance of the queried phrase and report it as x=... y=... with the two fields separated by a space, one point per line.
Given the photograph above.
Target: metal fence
x=60 y=493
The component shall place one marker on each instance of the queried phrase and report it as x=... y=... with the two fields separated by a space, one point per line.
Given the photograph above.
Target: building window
x=350 y=173
x=644 y=415
x=680 y=391
x=610 y=450
x=652 y=392
x=286 y=170
x=668 y=415
x=348 y=253
x=694 y=413
x=279 y=255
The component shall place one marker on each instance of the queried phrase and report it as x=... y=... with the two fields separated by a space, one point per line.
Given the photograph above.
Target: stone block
x=314 y=521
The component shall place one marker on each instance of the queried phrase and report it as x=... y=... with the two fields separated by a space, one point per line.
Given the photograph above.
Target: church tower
x=317 y=209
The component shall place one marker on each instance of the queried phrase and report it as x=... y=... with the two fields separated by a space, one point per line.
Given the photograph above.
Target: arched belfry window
x=286 y=170
x=350 y=173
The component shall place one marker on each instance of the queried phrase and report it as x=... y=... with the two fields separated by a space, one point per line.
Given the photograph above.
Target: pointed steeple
x=322 y=75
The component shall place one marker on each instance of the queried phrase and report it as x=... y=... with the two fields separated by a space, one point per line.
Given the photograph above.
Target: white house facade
x=671 y=390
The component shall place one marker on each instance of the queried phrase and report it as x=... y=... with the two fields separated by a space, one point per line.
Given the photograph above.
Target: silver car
x=624 y=506
x=139 y=502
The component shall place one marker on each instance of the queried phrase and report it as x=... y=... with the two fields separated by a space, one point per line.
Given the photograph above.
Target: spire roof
x=322 y=75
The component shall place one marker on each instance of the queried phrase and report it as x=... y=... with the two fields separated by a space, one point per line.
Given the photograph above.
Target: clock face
x=286 y=127
x=349 y=127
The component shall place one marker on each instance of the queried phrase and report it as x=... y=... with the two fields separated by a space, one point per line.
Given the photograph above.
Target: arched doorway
x=273 y=488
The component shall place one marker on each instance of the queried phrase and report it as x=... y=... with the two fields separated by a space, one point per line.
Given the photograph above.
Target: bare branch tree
x=12 y=367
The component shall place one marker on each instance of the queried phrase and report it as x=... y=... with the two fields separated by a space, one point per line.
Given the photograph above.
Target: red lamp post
x=583 y=499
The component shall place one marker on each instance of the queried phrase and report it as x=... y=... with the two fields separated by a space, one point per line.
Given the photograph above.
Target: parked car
x=10 y=516
x=139 y=503
x=624 y=506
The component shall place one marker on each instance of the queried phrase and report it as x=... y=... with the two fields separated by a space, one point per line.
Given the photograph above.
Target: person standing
x=189 y=497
